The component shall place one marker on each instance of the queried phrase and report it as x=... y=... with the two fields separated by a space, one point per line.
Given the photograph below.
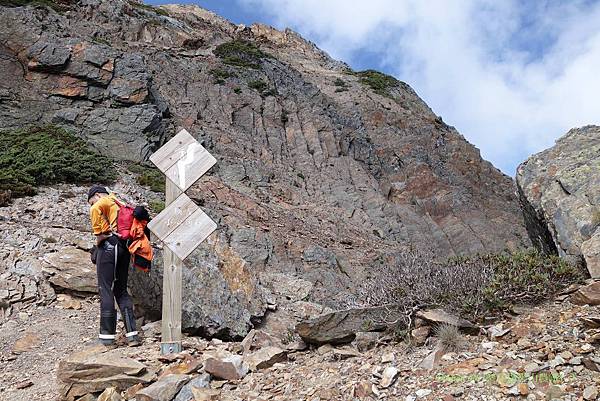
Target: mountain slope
x=322 y=172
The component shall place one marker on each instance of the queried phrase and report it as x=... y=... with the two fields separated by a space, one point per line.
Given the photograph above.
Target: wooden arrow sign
x=182 y=225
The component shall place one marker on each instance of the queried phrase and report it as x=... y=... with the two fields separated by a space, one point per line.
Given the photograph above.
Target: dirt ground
x=33 y=341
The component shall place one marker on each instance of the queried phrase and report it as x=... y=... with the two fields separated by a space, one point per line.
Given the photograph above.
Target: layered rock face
x=560 y=192
x=322 y=172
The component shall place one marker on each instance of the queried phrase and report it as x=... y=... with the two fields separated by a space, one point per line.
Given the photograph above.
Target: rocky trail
x=542 y=353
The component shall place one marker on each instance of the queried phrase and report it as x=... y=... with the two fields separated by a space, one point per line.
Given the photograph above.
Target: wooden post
x=171 y=303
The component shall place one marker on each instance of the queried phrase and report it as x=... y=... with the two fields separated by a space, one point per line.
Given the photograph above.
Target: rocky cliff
x=322 y=172
x=560 y=192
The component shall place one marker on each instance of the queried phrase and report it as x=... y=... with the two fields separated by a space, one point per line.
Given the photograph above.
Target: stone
x=340 y=327
x=419 y=335
x=185 y=367
x=265 y=358
x=205 y=394
x=96 y=368
x=432 y=359
x=559 y=189
x=590 y=250
x=26 y=343
x=439 y=316
x=131 y=391
x=587 y=295
x=388 y=357
x=164 y=389
x=388 y=376
x=421 y=393
x=590 y=393
x=227 y=368
x=345 y=353
x=201 y=381
x=363 y=389
x=68 y=302
x=110 y=394
x=257 y=339
x=364 y=341
x=70 y=268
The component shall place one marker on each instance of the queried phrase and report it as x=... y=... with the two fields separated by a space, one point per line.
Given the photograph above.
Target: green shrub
x=380 y=83
x=146 y=7
x=241 y=53
x=596 y=217
x=258 y=85
x=220 y=75
x=237 y=90
x=341 y=85
x=47 y=155
x=58 y=5
x=148 y=176
x=472 y=286
x=156 y=206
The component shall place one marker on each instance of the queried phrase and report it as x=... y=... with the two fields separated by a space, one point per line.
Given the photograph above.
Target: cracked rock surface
x=560 y=191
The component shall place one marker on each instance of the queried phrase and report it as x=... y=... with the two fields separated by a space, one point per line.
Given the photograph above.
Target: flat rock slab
x=96 y=368
x=587 y=295
x=341 y=326
x=72 y=269
x=265 y=358
x=163 y=390
x=439 y=316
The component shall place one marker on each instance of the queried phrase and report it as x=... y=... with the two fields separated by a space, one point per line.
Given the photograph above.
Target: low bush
x=47 y=155
x=220 y=75
x=472 y=286
x=150 y=177
x=147 y=7
x=58 y=5
x=241 y=53
x=378 y=81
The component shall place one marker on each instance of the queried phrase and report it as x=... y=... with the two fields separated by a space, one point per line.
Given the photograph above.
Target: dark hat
x=96 y=189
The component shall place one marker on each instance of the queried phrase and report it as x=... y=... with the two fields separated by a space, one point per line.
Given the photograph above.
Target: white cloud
x=512 y=76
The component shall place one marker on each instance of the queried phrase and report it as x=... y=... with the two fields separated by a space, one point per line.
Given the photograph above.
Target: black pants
x=112 y=267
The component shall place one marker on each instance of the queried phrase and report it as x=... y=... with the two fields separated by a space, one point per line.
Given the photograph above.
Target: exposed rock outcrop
x=321 y=173
x=560 y=192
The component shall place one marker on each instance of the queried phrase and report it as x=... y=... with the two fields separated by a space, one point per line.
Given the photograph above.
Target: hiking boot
x=131 y=334
x=108 y=327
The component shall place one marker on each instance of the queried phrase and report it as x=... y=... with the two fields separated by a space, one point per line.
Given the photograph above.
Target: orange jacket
x=140 y=248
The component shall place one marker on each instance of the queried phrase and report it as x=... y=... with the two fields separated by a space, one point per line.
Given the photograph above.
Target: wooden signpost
x=181 y=226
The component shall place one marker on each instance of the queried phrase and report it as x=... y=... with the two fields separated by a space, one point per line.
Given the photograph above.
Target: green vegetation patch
x=241 y=53
x=58 y=5
x=146 y=7
x=47 y=155
x=341 y=85
x=520 y=277
x=378 y=81
x=258 y=85
x=221 y=75
x=156 y=206
x=472 y=286
x=148 y=176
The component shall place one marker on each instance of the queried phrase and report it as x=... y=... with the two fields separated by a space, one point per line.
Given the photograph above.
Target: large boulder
x=341 y=326
x=70 y=268
x=559 y=189
x=221 y=295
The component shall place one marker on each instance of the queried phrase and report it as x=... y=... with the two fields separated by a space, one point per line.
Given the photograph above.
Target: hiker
x=112 y=265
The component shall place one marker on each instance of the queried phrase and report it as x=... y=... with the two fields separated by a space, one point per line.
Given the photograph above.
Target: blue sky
x=511 y=75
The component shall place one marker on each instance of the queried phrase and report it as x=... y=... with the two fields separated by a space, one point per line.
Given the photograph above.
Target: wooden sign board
x=183 y=160
x=182 y=226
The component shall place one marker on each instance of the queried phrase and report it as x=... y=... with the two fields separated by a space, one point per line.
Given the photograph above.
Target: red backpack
x=124 y=219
